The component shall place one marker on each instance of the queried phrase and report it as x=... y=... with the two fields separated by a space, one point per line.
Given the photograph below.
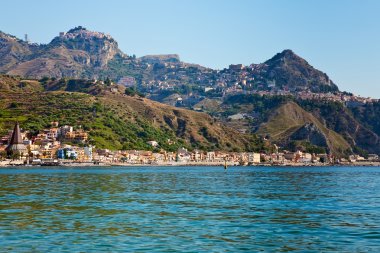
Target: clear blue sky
x=339 y=37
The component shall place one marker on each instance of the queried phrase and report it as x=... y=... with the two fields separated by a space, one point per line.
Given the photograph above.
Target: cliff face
x=98 y=47
x=77 y=53
x=310 y=133
x=359 y=131
x=290 y=122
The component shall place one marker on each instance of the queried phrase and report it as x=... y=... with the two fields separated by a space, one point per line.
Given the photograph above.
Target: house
x=290 y=156
x=183 y=155
x=81 y=135
x=306 y=158
x=78 y=135
x=237 y=116
x=236 y=67
x=127 y=81
x=373 y=157
x=4 y=140
x=67 y=153
x=153 y=143
x=197 y=156
x=254 y=158
x=52 y=133
x=210 y=156
x=88 y=153
x=158 y=157
x=63 y=130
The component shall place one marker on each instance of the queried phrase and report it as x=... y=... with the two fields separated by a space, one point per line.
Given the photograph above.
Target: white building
x=254 y=158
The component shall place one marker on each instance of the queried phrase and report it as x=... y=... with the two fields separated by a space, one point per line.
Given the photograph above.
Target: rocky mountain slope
x=71 y=54
x=81 y=53
x=290 y=123
x=13 y=51
x=360 y=132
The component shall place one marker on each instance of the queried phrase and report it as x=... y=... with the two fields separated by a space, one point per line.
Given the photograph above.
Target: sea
x=190 y=209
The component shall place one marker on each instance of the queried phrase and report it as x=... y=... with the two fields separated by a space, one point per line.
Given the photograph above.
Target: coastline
x=10 y=163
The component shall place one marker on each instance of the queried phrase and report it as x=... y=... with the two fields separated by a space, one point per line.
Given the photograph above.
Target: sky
x=338 y=37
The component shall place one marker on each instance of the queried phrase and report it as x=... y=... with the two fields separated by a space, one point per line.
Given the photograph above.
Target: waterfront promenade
x=8 y=162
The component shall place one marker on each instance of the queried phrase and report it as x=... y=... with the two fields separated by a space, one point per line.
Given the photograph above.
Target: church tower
x=16 y=144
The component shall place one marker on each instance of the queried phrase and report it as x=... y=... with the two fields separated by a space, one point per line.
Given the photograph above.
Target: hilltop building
x=236 y=67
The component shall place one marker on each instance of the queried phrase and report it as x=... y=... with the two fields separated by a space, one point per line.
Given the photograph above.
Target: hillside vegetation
x=114 y=120
x=299 y=107
x=290 y=123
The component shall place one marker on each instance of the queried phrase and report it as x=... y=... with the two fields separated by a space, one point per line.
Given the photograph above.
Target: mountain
x=285 y=97
x=290 y=123
x=357 y=125
x=13 y=51
x=80 y=53
x=288 y=69
x=71 y=54
x=113 y=120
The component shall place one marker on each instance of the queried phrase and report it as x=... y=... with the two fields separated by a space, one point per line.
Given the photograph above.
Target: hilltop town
x=189 y=85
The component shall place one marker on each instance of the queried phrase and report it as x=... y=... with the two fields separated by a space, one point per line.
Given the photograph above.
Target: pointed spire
x=16 y=136
x=16 y=143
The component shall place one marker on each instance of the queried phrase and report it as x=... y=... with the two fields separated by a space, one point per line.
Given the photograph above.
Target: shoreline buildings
x=64 y=144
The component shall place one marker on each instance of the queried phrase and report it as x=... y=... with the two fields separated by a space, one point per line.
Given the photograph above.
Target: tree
x=130 y=91
x=72 y=156
x=3 y=155
x=15 y=155
x=13 y=105
x=108 y=81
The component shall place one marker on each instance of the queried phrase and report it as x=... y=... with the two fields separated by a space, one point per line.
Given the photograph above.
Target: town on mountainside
x=155 y=109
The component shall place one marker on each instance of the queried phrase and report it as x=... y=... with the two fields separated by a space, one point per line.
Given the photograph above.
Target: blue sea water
x=190 y=209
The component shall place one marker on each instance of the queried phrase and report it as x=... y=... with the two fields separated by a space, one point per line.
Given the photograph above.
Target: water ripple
x=190 y=209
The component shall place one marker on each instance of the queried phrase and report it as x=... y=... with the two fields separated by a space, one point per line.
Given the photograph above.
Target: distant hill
x=80 y=53
x=113 y=120
x=290 y=123
x=288 y=69
x=71 y=54
x=14 y=51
